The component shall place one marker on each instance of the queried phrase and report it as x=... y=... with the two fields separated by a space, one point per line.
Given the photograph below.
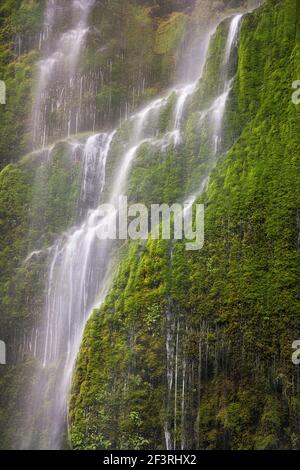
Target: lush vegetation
x=232 y=309
x=227 y=315
x=39 y=192
x=37 y=202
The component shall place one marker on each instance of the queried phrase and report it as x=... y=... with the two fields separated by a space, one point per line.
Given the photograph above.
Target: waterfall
x=79 y=264
x=183 y=94
x=56 y=70
x=94 y=165
x=78 y=279
x=232 y=37
x=216 y=115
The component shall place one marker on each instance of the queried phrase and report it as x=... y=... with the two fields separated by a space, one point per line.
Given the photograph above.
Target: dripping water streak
x=78 y=275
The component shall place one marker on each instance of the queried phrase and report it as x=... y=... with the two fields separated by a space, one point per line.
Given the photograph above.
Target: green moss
x=209 y=86
x=55 y=195
x=135 y=52
x=38 y=200
x=234 y=304
x=20 y=19
x=170 y=32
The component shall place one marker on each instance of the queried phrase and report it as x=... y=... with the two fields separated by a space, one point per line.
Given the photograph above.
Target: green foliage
x=27 y=19
x=37 y=202
x=135 y=52
x=18 y=19
x=231 y=310
x=169 y=35
x=235 y=304
x=55 y=194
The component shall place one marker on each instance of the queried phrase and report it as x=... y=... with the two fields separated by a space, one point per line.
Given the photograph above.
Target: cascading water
x=79 y=273
x=232 y=37
x=94 y=165
x=215 y=114
x=184 y=93
x=56 y=77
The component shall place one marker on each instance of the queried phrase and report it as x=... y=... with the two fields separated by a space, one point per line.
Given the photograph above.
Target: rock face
x=164 y=102
x=194 y=350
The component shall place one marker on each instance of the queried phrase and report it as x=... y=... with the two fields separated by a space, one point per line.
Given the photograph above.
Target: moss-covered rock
x=228 y=313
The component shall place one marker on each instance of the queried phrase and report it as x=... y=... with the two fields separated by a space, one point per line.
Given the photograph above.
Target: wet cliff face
x=116 y=69
x=189 y=350
x=107 y=76
x=55 y=90
x=194 y=350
